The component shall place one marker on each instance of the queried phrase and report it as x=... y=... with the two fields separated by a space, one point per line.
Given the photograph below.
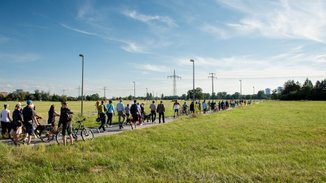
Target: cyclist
x=65 y=120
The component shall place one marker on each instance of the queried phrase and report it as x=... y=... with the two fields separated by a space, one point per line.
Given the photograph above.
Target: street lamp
x=82 y=86
x=193 y=78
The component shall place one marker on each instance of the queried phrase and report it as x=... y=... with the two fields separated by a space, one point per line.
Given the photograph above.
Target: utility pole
x=63 y=92
x=193 y=79
x=104 y=89
x=212 y=75
x=175 y=77
x=78 y=91
x=240 y=88
x=134 y=89
x=146 y=93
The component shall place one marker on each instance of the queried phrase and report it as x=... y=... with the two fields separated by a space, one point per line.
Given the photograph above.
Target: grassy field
x=266 y=142
x=42 y=109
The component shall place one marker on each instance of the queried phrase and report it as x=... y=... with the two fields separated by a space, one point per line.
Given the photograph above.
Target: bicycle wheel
x=59 y=137
x=44 y=135
x=87 y=134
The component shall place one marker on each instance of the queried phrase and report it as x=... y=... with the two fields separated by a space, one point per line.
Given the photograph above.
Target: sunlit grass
x=266 y=142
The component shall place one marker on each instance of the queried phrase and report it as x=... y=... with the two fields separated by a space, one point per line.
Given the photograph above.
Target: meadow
x=265 y=142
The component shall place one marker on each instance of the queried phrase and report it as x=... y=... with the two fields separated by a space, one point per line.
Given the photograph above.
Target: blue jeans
x=109 y=118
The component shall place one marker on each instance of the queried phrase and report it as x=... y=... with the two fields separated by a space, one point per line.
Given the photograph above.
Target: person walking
x=153 y=111
x=204 y=105
x=192 y=107
x=51 y=120
x=160 y=109
x=109 y=113
x=29 y=120
x=5 y=121
x=120 y=110
x=101 y=109
x=134 y=113
x=65 y=120
x=17 y=122
x=176 y=107
x=127 y=110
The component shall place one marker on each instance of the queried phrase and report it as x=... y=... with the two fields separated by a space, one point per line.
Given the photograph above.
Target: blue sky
x=263 y=43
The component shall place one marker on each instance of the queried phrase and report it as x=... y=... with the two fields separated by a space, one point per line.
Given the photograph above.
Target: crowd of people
x=25 y=120
x=133 y=114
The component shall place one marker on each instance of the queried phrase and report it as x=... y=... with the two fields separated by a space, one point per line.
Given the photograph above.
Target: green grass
x=267 y=142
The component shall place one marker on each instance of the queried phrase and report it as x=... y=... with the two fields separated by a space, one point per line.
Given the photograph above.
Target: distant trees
x=294 y=91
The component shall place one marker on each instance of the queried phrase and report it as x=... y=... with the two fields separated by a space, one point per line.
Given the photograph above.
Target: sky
x=262 y=43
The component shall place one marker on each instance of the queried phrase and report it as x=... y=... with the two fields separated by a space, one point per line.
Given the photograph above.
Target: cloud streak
x=127 y=46
x=150 y=18
x=276 y=19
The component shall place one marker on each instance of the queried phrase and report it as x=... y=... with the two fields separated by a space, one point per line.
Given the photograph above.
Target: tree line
x=307 y=91
x=291 y=91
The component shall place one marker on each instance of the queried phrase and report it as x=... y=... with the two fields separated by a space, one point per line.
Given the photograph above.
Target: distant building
x=4 y=94
x=19 y=90
x=268 y=91
x=279 y=89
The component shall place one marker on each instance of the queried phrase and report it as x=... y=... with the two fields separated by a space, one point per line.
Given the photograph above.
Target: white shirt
x=4 y=115
x=176 y=106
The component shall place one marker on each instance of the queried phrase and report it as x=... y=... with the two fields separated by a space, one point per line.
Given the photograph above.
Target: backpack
x=133 y=109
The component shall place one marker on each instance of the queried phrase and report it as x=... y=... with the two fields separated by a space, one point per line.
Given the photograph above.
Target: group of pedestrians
x=134 y=114
x=25 y=121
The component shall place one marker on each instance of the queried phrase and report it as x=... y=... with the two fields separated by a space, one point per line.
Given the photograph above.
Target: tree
x=261 y=94
x=306 y=89
x=198 y=93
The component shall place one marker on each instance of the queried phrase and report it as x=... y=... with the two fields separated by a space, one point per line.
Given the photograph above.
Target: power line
x=175 y=77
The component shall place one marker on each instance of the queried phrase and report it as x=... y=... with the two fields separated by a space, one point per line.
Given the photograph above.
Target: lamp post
x=193 y=78
x=134 y=89
x=240 y=88
x=82 y=86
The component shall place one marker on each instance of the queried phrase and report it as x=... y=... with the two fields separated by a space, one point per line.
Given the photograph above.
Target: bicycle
x=85 y=133
x=40 y=132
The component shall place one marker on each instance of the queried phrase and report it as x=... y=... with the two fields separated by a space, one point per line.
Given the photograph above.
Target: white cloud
x=19 y=57
x=150 y=18
x=151 y=68
x=132 y=47
x=278 y=19
x=293 y=63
